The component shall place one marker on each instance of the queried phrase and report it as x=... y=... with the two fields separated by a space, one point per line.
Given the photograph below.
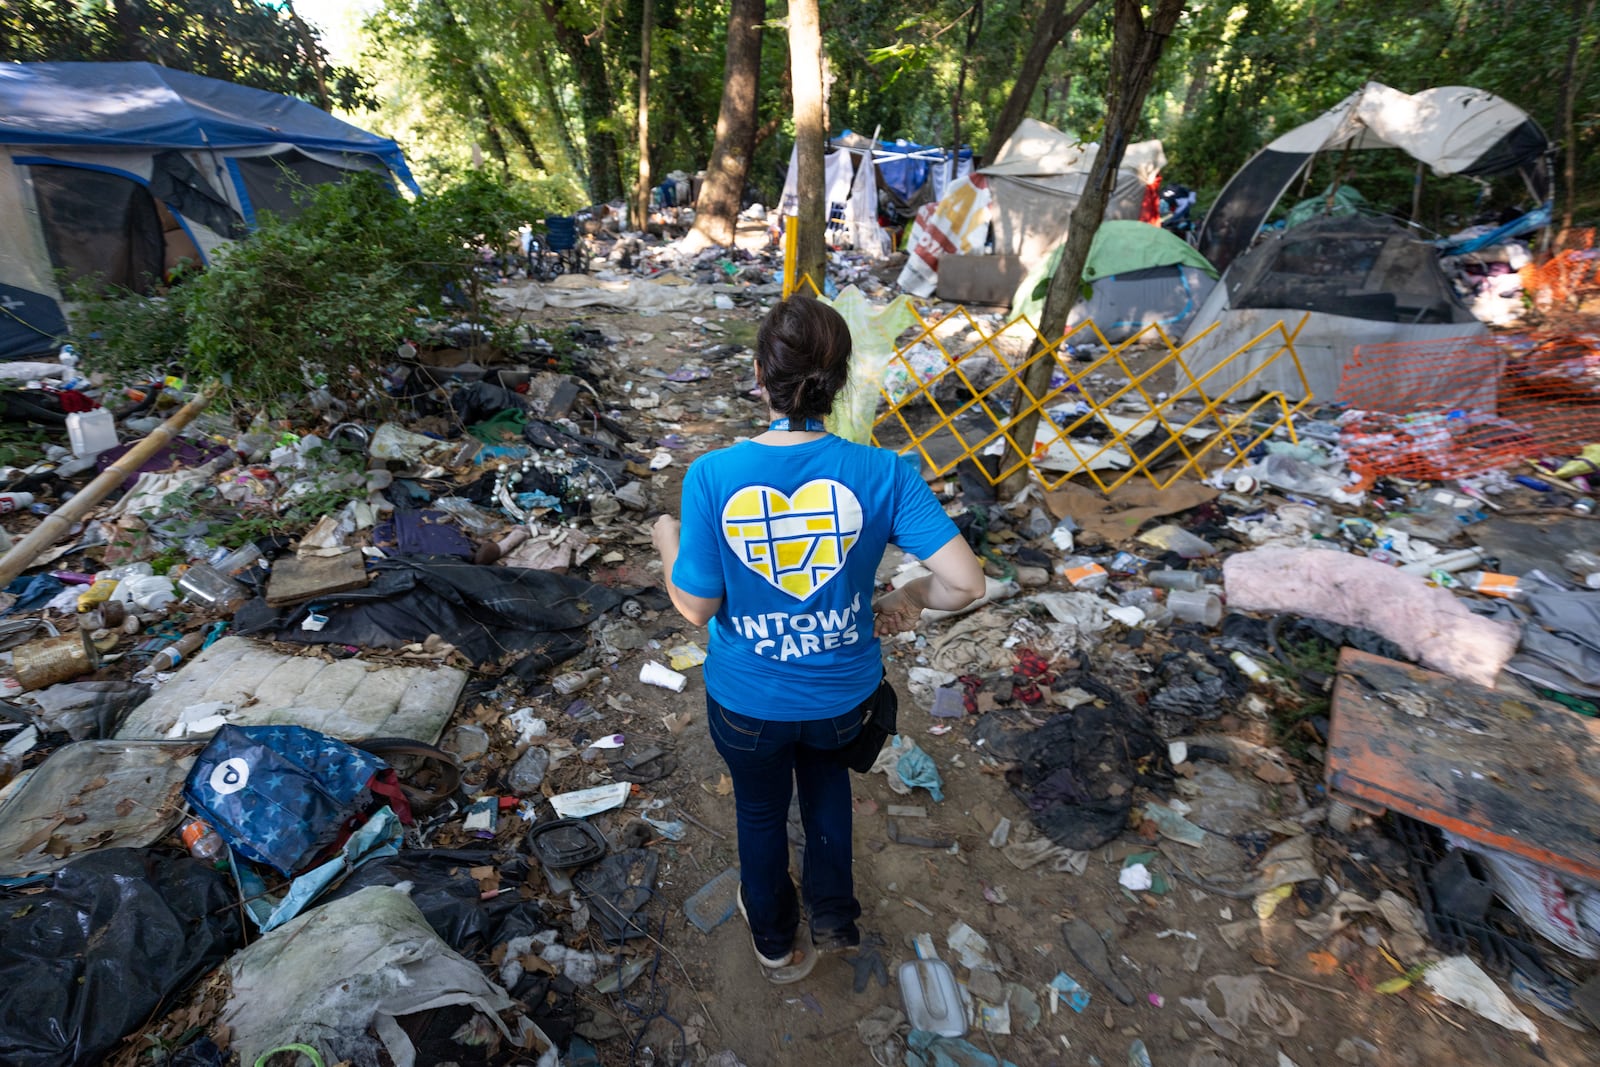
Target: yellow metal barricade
x=1191 y=430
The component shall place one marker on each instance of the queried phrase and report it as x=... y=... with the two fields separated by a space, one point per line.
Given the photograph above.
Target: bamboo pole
x=46 y=534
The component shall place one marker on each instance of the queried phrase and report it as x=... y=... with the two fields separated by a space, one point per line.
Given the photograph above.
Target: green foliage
x=1254 y=69
x=320 y=299
x=240 y=41
x=21 y=443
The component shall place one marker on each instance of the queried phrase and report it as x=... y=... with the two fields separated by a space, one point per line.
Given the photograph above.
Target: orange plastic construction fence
x=1571 y=273
x=1451 y=409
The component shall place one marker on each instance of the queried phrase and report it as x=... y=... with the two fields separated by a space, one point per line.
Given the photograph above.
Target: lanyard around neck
x=810 y=425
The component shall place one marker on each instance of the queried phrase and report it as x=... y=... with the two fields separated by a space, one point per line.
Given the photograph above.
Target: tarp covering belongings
x=1363 y=281
x=120 y=170
x=1028 y=194
x=1452 y=128
x=1138 y=275
x=908 y=174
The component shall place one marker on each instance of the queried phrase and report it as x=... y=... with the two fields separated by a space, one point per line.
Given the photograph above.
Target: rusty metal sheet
x=1513 y=773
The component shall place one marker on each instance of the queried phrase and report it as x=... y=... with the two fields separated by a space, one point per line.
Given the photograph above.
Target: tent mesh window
x=280 y=183
x=99 y=225
x=1358 y=267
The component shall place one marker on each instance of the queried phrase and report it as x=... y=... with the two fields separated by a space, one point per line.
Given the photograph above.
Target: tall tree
x=595 y=99
x=805 y=66
x=641 y=192
x=974 y=26
x=1049 y=30
x=1136 y=49
x=1571 y=86
x=717 y=209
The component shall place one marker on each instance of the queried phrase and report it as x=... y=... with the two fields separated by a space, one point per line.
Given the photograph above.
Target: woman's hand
x=895 y=613
x=664 y=534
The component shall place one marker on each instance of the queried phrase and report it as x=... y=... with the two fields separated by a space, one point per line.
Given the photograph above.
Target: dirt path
x=1164 y=946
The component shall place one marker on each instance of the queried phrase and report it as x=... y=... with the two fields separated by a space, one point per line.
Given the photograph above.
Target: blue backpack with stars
x=282 y=795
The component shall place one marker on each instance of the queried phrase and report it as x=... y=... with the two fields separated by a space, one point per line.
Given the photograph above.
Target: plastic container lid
x=566 y=843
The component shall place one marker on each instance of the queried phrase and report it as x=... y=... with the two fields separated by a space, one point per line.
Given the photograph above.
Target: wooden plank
x=296 y=579
x=1519 y=775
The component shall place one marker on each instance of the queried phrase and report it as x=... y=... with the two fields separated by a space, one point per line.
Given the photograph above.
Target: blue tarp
x=904 y=165
x=144 y=105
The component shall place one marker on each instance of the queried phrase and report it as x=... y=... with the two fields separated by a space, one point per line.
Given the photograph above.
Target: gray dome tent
x=1362 y=281
x=1453 y=129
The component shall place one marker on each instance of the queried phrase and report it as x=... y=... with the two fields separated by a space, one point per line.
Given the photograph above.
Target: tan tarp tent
x=1038 y=177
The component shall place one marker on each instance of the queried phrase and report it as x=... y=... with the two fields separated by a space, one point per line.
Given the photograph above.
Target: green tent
x=1137 y=274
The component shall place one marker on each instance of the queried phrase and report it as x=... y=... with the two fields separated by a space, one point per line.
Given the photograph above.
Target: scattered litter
x=1461 y=981
x=583 y=803
x=1064 y=988
x=715 y=902
x=653 y=673
x=1246 y=1000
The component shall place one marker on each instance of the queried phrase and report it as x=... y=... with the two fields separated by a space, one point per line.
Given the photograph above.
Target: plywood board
x=1515 y=774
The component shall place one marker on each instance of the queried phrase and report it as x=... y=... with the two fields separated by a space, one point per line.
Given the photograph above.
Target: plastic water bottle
x=203 y=843
x=172 y=655
x=10 y=502
x=68 y=358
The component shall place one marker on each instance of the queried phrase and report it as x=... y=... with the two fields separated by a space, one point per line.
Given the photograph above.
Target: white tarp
x=643 y=295
x=1449 y=128
x=1039 y=176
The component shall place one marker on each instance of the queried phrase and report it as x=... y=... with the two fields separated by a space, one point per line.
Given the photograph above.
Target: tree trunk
x=717 y=209
x=135 y=42
x=492 y=104
x=1054 y=23
x=1135 y=52
x=974 y=24
x=552 y=100
x=595 y=101
x=1197 y=86
x=641 y=191
x=308 y=47
x=805 y=62
x=1582 y=12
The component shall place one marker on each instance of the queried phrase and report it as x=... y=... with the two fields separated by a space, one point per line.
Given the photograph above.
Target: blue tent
x=120 y=170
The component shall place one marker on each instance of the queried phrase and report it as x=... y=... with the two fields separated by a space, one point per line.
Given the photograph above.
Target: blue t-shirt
x=790 y=537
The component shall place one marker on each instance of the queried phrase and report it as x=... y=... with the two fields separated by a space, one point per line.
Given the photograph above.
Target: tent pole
x=55 y=524
x=1416 y=193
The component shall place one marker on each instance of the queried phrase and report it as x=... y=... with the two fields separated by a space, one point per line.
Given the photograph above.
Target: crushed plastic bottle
x=1084 y=573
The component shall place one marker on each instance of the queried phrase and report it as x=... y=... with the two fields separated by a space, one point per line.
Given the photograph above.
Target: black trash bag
x=481 y=401
x=449 y=897
x=119 y=934
x=616 y=889
x=485 y=612
x=1077 y=773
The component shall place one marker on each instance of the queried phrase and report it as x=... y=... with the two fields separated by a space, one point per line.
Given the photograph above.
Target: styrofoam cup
x=1195 y=606
x=653 y=673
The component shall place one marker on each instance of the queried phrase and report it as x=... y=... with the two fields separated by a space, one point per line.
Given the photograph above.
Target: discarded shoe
x=1090 y=950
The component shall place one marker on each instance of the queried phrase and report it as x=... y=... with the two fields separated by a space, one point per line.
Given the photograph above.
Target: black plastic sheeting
x=488 y=613
x=1077 y=773
x=115 y=938
x=448 y=896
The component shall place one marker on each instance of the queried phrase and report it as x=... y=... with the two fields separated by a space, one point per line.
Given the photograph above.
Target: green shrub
x=322 y=298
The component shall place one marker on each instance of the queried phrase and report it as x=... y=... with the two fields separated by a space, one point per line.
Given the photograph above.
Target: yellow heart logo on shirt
x=797 y=542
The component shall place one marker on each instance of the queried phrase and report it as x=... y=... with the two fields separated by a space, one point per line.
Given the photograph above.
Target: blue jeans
x=765 y=758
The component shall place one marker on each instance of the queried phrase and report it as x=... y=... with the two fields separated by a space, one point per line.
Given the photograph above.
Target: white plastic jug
x=91 y=432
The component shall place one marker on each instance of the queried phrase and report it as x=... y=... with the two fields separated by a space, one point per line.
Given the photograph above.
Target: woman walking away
x=778 y=549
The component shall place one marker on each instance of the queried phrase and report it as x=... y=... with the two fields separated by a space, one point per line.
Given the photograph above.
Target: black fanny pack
x=879 y=722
